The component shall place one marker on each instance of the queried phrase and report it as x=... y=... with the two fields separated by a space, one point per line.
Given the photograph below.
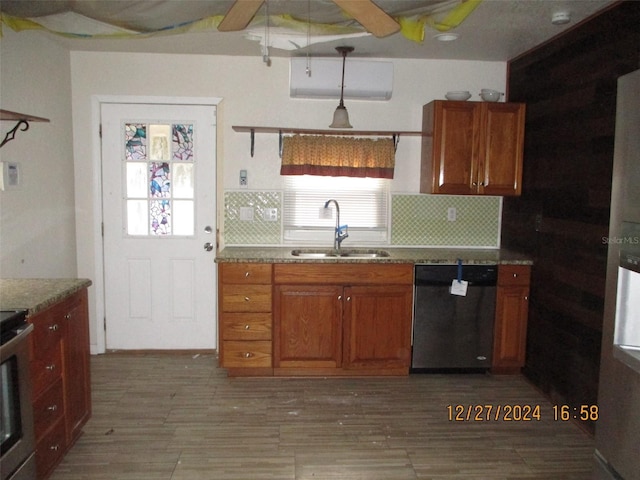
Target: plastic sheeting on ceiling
x=292 y=25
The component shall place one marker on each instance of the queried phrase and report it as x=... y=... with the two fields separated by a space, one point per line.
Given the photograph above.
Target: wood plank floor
x=178 y=417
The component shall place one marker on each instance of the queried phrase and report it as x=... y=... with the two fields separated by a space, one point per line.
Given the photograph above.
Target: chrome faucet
x=341 y=230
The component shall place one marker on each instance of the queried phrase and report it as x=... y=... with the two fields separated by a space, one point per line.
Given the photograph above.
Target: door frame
x=98 y=247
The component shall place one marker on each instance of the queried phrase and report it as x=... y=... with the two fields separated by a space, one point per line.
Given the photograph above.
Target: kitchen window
x=364 y=207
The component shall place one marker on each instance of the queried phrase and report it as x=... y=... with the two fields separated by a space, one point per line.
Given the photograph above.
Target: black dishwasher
x=453 y=332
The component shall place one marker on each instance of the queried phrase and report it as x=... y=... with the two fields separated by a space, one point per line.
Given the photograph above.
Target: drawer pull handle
x=52 y=408
x=53 y=328
x=248 y=355
x=51 y=367
x=247 y=327
x=246 y=274
x=55 y=448
x=246 y=299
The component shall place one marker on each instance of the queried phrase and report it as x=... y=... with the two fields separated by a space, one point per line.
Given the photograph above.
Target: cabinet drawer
x=245 y=273
x=246 y=326
x=514 y=274
x=238 y=354
x=343 y=274
x=50 y=449
x=47 y=330
x=246 y=298
x=48 y=409
x=46 y=369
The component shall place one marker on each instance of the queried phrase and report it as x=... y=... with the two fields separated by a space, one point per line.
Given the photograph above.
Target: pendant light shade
x=341 y=116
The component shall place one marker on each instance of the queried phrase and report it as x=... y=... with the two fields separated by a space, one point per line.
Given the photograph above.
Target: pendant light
x=341 y=116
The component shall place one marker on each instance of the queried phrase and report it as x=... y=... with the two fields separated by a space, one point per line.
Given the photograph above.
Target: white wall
x=37 y=219
x=253 y=94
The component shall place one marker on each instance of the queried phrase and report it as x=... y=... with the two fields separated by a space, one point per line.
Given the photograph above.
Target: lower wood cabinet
x=347 y=319
x=59 y=364
x=244 y=303
x=512 y=309
x=342 y=318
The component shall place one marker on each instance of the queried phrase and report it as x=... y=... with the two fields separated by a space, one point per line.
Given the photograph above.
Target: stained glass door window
x=160 y=175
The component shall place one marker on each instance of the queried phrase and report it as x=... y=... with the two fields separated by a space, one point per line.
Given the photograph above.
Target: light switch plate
x=246 y=214
x=11 y=175
x=325 y=213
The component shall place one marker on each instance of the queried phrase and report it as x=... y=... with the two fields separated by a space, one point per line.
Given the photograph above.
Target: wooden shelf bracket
x=22 y=123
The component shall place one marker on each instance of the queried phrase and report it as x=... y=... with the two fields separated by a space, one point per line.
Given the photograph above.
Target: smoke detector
x=560 y=18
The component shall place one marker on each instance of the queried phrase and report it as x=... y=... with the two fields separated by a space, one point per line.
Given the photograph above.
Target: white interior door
x=158 y=195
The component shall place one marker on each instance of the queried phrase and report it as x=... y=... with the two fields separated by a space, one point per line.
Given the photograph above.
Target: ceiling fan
x=367 y=13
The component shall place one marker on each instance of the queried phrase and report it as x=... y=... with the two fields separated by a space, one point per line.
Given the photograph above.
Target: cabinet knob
x=52 y=408
x=515 y=275
x=339 y=297
x=67 y=316
x=247 y=327
x=248 y=355
x=348 y=299
x=51 y=367
x=55 y=448
x=246 y=299
x=246 y=274
x=53 y=328
x=526 y=297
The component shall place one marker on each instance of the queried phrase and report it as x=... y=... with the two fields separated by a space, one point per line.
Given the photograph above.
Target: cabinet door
x=377 y=326
x=455 y=147
x=510 y=336
x=77 y=379
x=307 y=326
x=501 y=149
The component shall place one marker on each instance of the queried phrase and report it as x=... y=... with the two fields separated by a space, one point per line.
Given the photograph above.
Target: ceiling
x=496 y=30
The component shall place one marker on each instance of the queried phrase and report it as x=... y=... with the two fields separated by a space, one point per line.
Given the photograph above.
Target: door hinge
x=102 y=229
x=104 y=323
x=100 y=130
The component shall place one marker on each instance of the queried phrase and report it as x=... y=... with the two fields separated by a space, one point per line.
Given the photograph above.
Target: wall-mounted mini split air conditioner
x=363 y=79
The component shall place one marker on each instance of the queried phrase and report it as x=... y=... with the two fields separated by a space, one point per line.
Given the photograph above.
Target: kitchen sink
x=308 y=253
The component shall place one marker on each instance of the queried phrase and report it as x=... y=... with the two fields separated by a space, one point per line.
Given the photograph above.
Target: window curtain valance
x=338 y=156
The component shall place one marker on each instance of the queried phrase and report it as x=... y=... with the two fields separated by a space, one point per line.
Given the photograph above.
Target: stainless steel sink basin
x=310 y=253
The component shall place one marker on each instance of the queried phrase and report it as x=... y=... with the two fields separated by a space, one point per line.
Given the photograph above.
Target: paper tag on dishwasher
x=459 y=287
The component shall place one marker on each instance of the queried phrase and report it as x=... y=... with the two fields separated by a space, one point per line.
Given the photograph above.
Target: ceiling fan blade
x=239 y=15
x=370 y=16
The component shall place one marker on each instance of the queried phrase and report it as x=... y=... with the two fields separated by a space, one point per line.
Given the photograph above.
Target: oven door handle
x=9 y=348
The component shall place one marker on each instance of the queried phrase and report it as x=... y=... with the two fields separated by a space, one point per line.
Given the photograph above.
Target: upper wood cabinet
x=472 y=148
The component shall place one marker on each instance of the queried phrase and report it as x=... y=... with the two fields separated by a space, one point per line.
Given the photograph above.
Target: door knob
x=208 y=246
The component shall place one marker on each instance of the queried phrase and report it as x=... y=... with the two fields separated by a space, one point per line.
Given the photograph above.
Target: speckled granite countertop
x=396 y=255
x=36 y=294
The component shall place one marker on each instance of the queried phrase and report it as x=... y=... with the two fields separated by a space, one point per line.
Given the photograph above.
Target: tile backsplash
x=257 y=231
x=416 y=220
x=423 y=220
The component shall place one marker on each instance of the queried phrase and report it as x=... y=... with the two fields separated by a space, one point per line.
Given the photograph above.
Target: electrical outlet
x=270 y=214
x=244 y=180
x=452 y=214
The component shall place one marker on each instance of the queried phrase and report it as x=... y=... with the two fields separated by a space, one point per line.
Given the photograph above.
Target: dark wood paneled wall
x=569 y=86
